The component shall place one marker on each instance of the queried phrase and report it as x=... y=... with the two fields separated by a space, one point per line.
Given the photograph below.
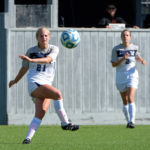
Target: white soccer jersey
x=41 y=73
x=126 y=72
x=119 y=51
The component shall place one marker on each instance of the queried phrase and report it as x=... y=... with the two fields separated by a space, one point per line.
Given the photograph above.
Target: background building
x=68 y=13
x=84 y=75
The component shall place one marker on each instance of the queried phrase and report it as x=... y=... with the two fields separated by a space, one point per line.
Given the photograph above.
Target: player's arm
x=20 y=74
x=47 y=59
x=141 y=60
x=44 y=60
x=117 y=63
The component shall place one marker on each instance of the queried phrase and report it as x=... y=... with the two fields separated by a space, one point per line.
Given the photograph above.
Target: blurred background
x=84 y=74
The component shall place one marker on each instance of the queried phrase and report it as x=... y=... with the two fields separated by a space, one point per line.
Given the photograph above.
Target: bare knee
x=125 y=102
x=131 y=98
x=58 y=95
x=40 y=114
x=41 y=107
x=124 y=96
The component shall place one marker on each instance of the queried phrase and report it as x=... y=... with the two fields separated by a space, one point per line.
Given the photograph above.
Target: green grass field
x=102 y=137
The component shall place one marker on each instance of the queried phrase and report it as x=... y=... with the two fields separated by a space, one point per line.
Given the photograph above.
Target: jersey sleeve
x=54 y=52
x=137 y=54
x=113 y=55
x=25 y=63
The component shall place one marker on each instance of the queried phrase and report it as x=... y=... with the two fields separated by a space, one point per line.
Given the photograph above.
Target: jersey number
x=127 y=61
x=41 y=67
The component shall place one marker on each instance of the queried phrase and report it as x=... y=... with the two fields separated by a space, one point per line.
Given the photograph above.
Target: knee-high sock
x=35 y=123
x=126 y=112
x=132 y=111
x=58 y=104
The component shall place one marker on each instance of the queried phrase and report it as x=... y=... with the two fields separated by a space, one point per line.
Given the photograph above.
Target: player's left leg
x=65 y=124
x=132 y=107
x=53 y=93
x=41 y=107
x=59 y=108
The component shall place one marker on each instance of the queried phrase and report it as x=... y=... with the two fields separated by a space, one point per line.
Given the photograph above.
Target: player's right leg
x=125 y=108
x=41 y=107
x=132 y=107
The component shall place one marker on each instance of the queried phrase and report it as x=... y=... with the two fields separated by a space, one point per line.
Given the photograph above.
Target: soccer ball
x=70 y=38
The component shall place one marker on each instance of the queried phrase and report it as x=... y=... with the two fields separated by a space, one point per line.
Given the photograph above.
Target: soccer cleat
x=26 y=141
x=70 y=127
x=130 y=125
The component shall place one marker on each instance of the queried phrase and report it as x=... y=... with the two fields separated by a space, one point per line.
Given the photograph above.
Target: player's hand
x=26 y=58
x=107 y=26
x=11 y=83
x=143 y=62
x=126 y=55
x=136 y=27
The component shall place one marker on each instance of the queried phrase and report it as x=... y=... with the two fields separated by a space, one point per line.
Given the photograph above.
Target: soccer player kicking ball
x=124 y=58
x=40 y=62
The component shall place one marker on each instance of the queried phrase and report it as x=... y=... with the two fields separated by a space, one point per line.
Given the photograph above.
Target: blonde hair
x=40 y=29
x=125 y=31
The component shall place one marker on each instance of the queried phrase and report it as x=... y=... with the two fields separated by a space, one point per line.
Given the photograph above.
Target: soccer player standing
x=40 y=62
x=124 y=58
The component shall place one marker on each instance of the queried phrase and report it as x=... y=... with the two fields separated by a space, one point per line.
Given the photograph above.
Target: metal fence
x=84 y=75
